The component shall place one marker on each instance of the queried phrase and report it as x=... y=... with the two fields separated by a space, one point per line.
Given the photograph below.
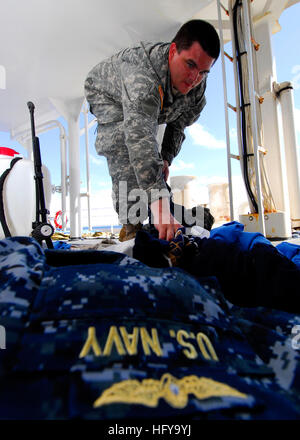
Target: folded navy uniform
x=99 y=335
x=250 y=270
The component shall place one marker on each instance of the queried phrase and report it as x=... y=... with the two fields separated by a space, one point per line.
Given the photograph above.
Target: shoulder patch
x=161 y=95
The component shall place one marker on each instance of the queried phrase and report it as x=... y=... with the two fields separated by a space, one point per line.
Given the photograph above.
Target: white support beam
x=275 y=158
x=286 y=98
x=70 y=110
x=74 y=178
x=226 y=112
x=248 y=43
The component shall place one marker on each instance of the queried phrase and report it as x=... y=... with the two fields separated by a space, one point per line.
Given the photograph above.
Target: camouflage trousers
x=110 y=143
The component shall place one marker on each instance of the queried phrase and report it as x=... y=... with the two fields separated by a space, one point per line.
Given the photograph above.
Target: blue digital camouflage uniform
x=98 y=335
x=131 y=94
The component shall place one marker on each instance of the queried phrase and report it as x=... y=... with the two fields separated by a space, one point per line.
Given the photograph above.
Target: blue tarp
x=233 y=232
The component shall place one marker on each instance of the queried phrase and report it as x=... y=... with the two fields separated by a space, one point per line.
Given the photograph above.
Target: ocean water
x=103 y=228
x=116 y=228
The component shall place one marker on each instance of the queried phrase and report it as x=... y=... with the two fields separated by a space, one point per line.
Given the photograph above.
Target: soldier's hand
x=164 y=222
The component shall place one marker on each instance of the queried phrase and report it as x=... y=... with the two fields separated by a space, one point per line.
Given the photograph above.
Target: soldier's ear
x=172 y=50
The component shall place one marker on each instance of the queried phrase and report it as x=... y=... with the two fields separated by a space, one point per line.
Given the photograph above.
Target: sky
x=203 y=154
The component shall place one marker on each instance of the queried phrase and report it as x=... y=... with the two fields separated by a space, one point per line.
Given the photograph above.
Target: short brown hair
x=202 y=32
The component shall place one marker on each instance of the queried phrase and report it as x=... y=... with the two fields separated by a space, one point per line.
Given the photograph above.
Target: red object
x=57 y=215
x=58 y=220
x=8 y=151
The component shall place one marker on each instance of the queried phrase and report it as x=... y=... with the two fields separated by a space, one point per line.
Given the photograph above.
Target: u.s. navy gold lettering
x=127 y=342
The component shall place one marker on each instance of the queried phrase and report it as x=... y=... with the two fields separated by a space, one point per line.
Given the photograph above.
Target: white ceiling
x=48 y=46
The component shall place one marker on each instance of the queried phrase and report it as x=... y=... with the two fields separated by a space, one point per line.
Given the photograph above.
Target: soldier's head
x=193 y=51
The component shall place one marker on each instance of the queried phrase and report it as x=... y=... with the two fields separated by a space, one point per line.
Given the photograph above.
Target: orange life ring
x=58 y=216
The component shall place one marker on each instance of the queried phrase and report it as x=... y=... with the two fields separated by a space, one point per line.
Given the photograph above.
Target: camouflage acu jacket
x=134 y=86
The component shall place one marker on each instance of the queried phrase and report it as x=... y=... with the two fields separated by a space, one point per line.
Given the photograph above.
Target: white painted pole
x=274 y=160
x=86 y=123
x=70 y=110
x=226 y=112
x=286 y=98
x=253 y=116
x=63 y=173
x=74 y=177
x=236 y=86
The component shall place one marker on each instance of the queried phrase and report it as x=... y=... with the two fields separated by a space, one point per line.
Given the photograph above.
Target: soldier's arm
x=166 y=170
x=172 y=142
x=164 y=221
x=174 y=132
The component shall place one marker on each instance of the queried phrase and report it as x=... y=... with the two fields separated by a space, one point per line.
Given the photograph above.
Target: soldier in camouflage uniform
x=131 y=94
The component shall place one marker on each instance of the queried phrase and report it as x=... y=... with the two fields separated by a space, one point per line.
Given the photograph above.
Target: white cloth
x=198 y=231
